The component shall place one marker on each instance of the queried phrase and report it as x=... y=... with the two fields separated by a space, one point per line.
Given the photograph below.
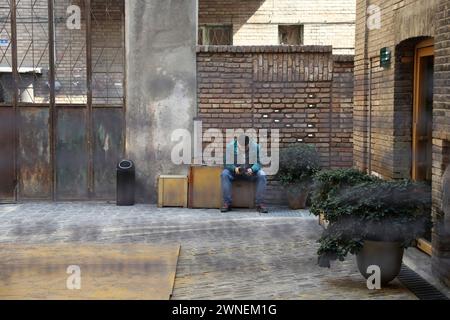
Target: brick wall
x=305 y=92
x=255 y=22
x=441 y=141
x=386 y=147
x=383 y=137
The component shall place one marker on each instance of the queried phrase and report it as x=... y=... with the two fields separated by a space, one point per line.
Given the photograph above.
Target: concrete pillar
x=161 y=85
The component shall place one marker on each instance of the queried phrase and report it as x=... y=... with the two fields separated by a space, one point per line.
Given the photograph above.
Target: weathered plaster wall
x=161 y=84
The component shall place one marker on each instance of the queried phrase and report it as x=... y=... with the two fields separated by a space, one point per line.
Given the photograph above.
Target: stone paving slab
x=236 y=255
x=107 y=271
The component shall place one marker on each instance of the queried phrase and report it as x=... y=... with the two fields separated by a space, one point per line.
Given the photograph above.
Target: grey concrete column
x=161 y=85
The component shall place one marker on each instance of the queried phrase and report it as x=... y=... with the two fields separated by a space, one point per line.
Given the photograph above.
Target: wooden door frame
x=423 y=49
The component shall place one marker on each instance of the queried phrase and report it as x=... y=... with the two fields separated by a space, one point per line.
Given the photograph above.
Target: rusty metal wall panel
x=34 y=160
x=108 y=150
x=7 y=169
x=71 y=154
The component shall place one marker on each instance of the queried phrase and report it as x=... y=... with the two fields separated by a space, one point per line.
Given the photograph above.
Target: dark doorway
x=423 y=113
x=423 y=121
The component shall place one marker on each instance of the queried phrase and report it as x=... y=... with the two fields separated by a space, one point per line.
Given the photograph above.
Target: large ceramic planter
x=297 y=200
x=386 y=255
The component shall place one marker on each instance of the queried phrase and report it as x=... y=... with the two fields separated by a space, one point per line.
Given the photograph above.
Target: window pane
x=291 y=34
x=6 y=83
x=32 y=51
x=219 y=36
x=70 y=53
x=108 y=52
x=215 y=35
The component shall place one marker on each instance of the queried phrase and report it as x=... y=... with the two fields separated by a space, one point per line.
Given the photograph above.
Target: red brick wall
x=305 y=92
x=441 y=141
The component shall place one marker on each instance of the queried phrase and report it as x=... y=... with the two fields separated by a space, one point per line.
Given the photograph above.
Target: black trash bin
x=125 y=183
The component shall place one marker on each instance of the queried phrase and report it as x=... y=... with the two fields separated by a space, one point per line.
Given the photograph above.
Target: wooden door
x=423 y=112
x=423 y=123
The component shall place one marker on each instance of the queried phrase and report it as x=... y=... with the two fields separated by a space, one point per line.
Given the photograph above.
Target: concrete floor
x=237 y=255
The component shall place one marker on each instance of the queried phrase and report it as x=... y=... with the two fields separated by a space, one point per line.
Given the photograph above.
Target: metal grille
x=61 y=98
x=215 y=35
x=6 y=82
x=32 y=51
x=421 y=288
x=70 y=56
x=107 y=52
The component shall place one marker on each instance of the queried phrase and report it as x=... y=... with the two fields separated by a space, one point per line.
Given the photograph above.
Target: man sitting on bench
x=241 y=151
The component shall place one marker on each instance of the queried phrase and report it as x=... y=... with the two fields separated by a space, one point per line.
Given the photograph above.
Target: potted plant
x=376 y=221
x=328 y=182
x=298 y=164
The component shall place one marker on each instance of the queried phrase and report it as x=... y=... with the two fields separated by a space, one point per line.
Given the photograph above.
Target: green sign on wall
x=385 y=57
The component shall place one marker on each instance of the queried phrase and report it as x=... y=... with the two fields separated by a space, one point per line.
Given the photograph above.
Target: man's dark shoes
x=262 y=209
x=225 y=208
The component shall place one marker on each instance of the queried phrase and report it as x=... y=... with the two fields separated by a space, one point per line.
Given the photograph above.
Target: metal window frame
x=205 y=28
x=52 y=105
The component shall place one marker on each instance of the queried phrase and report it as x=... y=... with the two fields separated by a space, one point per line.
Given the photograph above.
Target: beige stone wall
x=255 y=22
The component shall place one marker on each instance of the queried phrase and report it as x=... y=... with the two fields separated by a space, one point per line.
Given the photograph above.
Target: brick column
x=441 y=143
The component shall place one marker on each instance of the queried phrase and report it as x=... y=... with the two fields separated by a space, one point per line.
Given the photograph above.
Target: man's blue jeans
x=228 y=177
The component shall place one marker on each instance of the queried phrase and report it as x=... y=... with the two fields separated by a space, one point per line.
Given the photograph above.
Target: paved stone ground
x=237 y=255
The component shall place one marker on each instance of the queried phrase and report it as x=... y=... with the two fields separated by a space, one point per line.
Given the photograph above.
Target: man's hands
x=239 y=171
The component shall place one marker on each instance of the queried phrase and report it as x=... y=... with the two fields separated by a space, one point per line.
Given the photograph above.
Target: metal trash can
x=125 y=183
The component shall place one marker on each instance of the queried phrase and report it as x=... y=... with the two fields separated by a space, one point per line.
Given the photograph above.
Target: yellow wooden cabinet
x=204 y=187
x=173 y=191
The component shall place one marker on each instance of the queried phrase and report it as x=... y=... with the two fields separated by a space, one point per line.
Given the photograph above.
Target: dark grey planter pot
x=387 y=255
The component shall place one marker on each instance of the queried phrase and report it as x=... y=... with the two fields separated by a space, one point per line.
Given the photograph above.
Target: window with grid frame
x=215 y=35
x=291 y=34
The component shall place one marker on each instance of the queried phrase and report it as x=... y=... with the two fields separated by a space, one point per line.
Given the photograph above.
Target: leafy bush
x=298 y=164
x=378 y=210
x=329 y=182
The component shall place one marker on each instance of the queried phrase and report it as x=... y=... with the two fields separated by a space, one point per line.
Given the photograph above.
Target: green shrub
x=298 y=164
x=379 y=210
x=328 y=182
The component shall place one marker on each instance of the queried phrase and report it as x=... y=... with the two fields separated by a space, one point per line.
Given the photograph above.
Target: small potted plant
x=375 y=221
x=298 y=164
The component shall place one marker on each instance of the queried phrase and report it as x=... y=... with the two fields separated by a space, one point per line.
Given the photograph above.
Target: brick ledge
x=264 y=49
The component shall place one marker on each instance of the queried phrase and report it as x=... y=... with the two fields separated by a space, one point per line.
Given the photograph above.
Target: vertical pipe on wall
x=366 y=59
x=89 y=98
x=15 y=96
x=51 y=80
x=369 y=138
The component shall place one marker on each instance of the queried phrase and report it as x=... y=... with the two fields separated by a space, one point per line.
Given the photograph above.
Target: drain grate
x=419 y=286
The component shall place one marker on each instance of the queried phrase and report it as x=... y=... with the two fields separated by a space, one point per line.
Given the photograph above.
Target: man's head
x=243 y=141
